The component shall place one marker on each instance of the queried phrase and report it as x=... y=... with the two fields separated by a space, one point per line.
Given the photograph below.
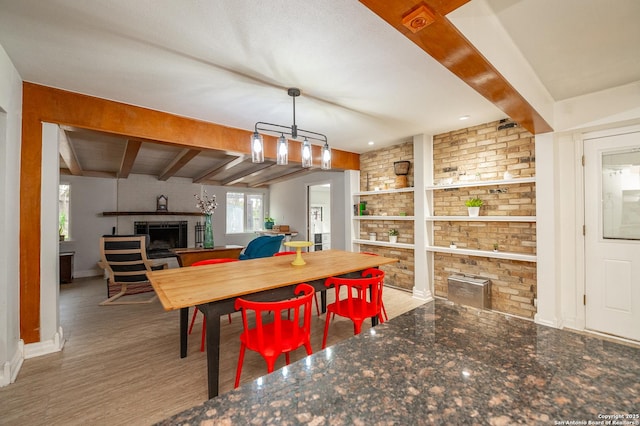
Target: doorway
x=612 y=236
x=319 y=216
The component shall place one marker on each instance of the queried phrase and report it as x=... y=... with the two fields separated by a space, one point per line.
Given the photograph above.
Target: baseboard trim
x=427 y=296
x=37 y=349
x=10 y=369
x=553 y=323
x=88 y=273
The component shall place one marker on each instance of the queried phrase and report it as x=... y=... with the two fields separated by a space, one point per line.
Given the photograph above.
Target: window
x=63 y=211
x=245 y=212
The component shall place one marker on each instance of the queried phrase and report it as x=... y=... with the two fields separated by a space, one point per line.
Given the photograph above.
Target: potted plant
x=473 y=206
x=393 y=235
x=495 y=247
x=62 y=221
x=269 y=222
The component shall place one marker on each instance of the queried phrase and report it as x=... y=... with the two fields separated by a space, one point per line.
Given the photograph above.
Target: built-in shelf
x=370 y=217
x=485 y=253
x=384 y=191
x=152 y=214
x=384 y=244
x=476 y=183
x=482 y=218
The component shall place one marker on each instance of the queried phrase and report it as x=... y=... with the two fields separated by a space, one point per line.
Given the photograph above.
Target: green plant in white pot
x=473 y=206
x=393 y=235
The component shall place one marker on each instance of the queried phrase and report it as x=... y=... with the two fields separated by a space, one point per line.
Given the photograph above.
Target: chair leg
x=239 y=368
x=286 y=357
x=326 y=329
x=307 y=346
x=384 y=312
x=271 y=363
x=315 y=298
x=229 y=318
x=357 y=327
x=193 y=319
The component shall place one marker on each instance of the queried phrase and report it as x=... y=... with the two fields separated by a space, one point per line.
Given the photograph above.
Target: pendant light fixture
x=282 y=156
x=282 y=148
x=307 y=156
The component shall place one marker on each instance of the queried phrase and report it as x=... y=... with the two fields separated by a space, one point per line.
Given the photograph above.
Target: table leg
x=212 y=315
x=184 y=321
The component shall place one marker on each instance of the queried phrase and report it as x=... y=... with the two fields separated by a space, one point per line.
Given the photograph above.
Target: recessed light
x=370 y=142
x=464 y=117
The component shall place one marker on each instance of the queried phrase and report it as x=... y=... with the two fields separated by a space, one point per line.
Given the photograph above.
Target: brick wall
x=485 y=153
x=376 y=170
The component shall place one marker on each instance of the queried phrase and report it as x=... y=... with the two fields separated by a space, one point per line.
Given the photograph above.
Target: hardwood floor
x=121 y=365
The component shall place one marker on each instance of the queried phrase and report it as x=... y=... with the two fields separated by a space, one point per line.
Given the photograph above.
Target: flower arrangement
x=393 y=232
x=205 y=204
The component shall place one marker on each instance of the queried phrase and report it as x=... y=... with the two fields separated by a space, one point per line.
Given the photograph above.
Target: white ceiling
x=576 y=46
x=230 y=62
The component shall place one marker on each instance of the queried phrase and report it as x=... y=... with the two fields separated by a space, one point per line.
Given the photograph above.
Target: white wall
x=288 y=204
x=90 y=197
x=10 y=136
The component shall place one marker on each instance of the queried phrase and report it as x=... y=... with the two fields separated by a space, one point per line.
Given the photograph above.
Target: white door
x=612 y=238
x=319 y=216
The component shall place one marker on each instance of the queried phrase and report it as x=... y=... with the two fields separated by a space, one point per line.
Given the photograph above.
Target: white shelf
x=383 y=191
x=369 y=217
x=482 y=218
x=485 y=253
x=476 y=183
x=384 y=244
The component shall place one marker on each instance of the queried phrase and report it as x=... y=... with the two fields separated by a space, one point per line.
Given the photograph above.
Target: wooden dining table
x=214 y=289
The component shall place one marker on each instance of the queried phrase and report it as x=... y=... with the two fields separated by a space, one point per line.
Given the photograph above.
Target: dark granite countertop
x=442 y=364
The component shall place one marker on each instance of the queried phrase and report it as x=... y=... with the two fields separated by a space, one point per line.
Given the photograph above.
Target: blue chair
x=263 y=246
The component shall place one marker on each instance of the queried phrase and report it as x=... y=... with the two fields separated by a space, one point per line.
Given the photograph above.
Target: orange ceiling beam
x=425 y=24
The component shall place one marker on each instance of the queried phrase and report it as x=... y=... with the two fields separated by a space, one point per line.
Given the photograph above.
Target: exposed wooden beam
x=90 y=173
x=253 y=169
x=424 y=23
x=68 y=154
x=179 y=162
x=231 y=162
x=282 y=177
x=129 y=157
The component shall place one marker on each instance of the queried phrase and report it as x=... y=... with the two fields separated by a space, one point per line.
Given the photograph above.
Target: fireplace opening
x=163 y=235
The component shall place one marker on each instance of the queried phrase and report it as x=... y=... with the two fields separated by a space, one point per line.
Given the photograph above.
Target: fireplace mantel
x=152 y=214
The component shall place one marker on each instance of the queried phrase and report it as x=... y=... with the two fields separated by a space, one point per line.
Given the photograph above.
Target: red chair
x=384 y=311
x=195 y=311
x=279 y=336
x=356 y=306
x=284 y=253
x=315 y=296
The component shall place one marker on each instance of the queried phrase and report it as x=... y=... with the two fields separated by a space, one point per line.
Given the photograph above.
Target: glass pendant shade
x=326 y=157
x=283 y=151
x=257 y=148
x=306 y=153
